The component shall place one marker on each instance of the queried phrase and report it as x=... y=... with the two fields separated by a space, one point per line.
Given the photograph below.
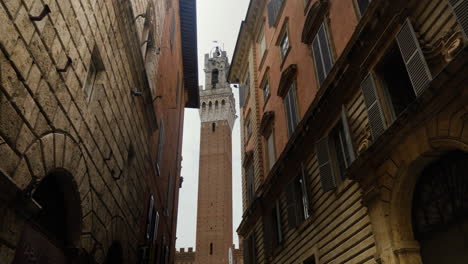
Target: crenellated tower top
x=217 y=101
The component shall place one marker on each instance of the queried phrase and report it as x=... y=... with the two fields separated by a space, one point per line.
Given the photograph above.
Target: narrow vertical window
x=266 y=90
x=322 y=55
x=291 y=109
x=211 y=248
x=250 y=184
x=270 y=140
x=94 y=69
x=277 y=217
x=262 y=43
x=214 y=78
x=213 y=127
x=284 y=45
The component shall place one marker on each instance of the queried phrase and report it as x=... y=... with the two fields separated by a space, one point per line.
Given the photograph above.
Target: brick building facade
x=350 y=113
x=88 y=110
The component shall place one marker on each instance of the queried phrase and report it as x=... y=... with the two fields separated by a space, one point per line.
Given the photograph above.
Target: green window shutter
x=305 y=193
x=325 y=167
x=460 y=8
x=413 y=57
x=348 y=137
x=374 y=109
x=247 y=251
x=292 y=206
x=268 y=234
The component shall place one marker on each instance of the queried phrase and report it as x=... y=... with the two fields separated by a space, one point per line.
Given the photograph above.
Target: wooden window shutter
x=305 y=192
x=247 y=251
x=325 y=167
x=348 y=137
x=460 y=8
x=413 y=57
x=374 y=109
x=241 y=95
x=268 y=234
x=292 y=199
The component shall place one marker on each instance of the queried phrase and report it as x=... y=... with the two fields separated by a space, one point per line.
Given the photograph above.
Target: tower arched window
x=210 y=104
x=223 y=102
x=204 y=105
x=213 y=127
x=214 y=77
x=216 y=104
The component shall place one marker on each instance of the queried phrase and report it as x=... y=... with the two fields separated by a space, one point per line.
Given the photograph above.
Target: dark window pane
x=318 y=60
x=363 y=4
x=326 y=55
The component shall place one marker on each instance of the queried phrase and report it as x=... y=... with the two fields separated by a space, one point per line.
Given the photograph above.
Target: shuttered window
x=460 y=8
x=362 y=5
x=249 y=250
x=291 y=109
x=304 y=192
x=374 y=109
x=342 y=146
x=250 y=184
x=276 y=215
x=413 y=57
x=298 y=206
x=322 y=55
x=325 y=166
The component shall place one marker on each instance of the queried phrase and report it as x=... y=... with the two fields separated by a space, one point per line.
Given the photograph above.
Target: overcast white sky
x=217 y=20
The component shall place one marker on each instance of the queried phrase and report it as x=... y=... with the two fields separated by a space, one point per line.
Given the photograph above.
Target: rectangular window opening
x=395 y=81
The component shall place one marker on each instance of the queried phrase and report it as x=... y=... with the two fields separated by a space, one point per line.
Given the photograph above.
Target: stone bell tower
x=217 y=114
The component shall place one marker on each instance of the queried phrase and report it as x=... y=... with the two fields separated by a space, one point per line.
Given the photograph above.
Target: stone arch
x=223 y=102
x=210 y=104
x=216 y=104
x=400 y=210
x=203 y=105
x=57 y=155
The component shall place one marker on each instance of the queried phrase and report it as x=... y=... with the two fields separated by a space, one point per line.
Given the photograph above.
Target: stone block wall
x=106 y=139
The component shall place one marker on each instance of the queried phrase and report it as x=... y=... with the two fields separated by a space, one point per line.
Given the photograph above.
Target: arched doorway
x=56 y=227
x=114 y=254
x=440 y=210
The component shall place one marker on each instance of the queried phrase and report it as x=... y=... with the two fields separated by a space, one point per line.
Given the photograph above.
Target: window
x=322 y=55
x=213 y=127
x=335 y=153
x=262 y=43
x=250 y=184
x=284 y=45
x=160 y=144
x=172 y=31
x=396 y=81
x=362 y=6
x=250 y=250
x=248 y=128
x=95 y=68
x=310 y=260
x=214 y=78
x=276 y=215
x=247 y=85
x=211 y=248
x=270 y=144
x=298 y=201
x=274 y=10
x=266 y=90
x=291 y=109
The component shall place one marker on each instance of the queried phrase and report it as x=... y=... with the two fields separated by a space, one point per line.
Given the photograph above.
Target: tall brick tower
x=217 y=114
